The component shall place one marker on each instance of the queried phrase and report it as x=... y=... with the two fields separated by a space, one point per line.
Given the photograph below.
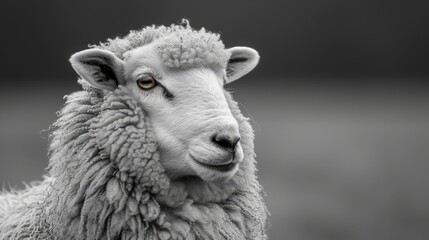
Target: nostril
x=227 y=142
x=234 y=142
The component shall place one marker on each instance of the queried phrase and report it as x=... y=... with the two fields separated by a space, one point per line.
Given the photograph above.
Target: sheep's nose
x=226 y=141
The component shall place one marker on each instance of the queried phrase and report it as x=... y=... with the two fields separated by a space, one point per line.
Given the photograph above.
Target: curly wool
x=180 y=46
x=21 y=213
x=106 y=182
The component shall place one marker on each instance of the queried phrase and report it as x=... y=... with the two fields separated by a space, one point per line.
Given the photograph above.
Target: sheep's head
x=178 y=80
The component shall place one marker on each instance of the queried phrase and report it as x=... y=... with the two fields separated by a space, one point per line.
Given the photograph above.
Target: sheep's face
x=196 y=132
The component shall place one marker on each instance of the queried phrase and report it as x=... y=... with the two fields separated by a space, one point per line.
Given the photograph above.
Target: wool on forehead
x=179 y=46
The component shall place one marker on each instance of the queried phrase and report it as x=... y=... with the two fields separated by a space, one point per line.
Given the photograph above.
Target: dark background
x=339 y=100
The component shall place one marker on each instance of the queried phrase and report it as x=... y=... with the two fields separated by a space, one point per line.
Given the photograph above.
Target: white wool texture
x=105 y=179
x=180 y=46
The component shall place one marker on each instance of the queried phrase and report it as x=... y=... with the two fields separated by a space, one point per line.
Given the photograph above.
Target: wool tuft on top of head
x=181 y=45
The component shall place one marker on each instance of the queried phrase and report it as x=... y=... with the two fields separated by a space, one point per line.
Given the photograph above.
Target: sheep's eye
x=146 y=82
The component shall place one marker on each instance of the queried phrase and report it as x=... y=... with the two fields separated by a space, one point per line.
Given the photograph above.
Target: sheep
x=152 y=147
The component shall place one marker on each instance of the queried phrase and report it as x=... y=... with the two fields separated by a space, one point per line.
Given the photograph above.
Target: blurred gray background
x=339 y=101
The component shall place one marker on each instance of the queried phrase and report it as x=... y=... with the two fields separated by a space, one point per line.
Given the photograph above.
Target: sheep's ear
x=101 y=68
x=242 y=61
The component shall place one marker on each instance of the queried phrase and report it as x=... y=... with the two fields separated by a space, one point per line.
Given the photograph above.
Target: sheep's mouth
x=221 y=168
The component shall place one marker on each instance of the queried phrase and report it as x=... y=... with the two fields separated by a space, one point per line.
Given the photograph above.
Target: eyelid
x=145 y=71
x=144 y=75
